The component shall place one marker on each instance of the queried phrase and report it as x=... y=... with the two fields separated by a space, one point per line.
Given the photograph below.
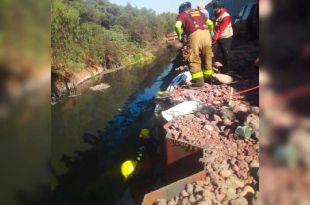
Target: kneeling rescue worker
x=147 y=152
x=140 y=171
x=193 y=23
x=136 y=173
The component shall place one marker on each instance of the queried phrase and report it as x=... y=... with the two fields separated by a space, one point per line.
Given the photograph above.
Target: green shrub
x=95 y=31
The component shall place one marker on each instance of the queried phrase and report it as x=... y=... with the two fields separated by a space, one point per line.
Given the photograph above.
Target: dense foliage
x=87 y=32
x=24 y=33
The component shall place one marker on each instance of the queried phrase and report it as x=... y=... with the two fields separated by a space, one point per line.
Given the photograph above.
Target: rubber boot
x=198 y=82
x=211 y=80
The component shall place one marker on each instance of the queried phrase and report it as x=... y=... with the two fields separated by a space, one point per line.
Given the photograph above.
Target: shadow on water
x=92 y=175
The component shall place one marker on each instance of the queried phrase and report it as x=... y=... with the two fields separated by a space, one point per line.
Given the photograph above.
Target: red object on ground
x=247 y=90
x=296 y=92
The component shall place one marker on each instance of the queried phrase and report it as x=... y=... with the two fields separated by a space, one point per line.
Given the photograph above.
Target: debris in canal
x=100 y=87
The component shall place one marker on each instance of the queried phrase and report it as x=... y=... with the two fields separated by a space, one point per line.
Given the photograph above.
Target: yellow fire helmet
x=127 y=168
x=144 y=133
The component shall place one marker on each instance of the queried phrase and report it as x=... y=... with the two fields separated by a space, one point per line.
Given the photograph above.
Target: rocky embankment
x=226 y=128
x=230 y=158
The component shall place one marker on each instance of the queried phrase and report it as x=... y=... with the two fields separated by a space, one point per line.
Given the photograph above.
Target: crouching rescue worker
x=193 y=23
x=141 y=170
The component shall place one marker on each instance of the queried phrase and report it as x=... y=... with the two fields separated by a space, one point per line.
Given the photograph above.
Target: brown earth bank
x=64 y=82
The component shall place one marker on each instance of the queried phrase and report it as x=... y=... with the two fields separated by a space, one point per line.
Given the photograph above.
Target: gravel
x=231 y=162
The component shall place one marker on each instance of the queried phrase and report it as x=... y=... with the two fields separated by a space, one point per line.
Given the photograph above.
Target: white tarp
x=183 y=108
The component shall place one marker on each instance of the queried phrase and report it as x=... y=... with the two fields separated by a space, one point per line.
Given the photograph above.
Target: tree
x=85 y=32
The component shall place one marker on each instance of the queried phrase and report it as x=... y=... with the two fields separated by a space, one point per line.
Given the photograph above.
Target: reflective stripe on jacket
x=223 y=27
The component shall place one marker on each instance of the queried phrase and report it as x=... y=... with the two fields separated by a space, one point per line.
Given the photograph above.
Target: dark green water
x=91 y=135
x=94 y=133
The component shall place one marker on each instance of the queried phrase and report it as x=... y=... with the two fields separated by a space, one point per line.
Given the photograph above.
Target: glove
x=212 y=34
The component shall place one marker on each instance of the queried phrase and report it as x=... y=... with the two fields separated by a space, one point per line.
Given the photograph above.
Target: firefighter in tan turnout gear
x=193 y=23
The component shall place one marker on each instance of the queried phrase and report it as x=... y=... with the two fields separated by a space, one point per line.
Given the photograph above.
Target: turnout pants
x=223 y=47
x=200 y=54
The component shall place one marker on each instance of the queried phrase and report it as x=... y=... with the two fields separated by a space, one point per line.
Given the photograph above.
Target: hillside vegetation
x=96 y=32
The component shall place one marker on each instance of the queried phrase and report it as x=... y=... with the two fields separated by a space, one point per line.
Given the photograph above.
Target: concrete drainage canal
x=97 y=131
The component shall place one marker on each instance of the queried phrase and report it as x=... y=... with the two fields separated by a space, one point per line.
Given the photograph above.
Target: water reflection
x=86 y=168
